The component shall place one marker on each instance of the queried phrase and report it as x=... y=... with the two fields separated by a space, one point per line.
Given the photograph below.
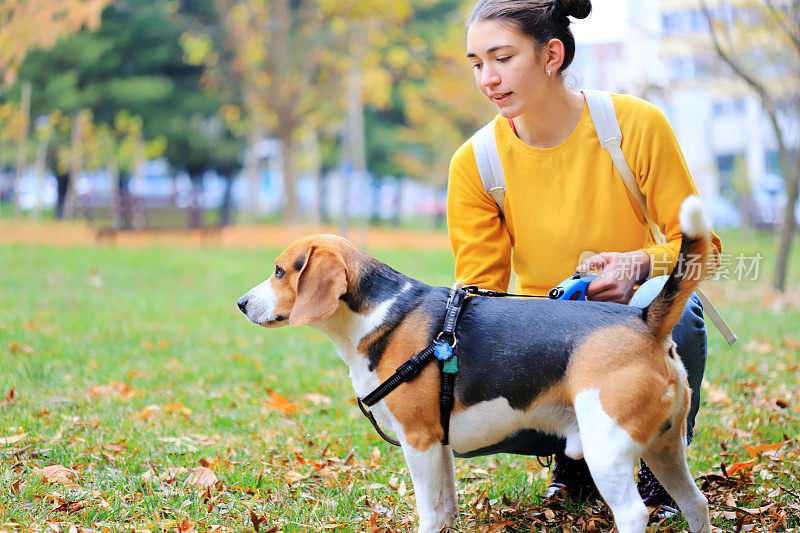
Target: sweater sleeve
x=663 y=177
x=478 y=236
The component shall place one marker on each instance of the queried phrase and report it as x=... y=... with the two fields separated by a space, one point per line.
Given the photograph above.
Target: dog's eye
x=279 y=272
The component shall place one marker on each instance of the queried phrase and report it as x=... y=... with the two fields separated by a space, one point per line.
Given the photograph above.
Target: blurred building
x=661 y=50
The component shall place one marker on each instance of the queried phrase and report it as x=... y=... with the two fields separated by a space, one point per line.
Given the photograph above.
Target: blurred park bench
x=109 y=214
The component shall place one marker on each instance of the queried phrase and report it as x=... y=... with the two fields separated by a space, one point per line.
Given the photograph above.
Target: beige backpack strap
x=484 y=145
x=604 y=117
x=601 y=109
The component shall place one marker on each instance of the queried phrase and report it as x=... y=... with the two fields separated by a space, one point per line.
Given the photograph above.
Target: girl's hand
x=620 y=273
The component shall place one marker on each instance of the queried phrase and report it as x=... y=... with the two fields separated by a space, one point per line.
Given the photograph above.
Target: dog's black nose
x=243 y=304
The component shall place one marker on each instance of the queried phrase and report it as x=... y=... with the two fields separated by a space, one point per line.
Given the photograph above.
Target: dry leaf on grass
x=317 y=398
x=740 y=467
x=115 y=388
x=148 y=411
x=201 y=477
x=13 y=438
x=282 y=404
x=754 y=451
x=15 y=347
x=9 y=397
x=59 y=474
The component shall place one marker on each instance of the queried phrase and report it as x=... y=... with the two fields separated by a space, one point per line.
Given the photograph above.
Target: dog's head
x=309 y=278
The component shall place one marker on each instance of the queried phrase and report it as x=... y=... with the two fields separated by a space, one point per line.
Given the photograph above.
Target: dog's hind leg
x=611 y=455
x=668 y=463
x=429 y=474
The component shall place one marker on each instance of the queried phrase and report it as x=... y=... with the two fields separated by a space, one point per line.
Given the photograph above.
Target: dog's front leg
x=430 y=475
x=449 y=498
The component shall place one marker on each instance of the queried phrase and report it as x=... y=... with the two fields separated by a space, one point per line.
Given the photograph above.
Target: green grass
x=201 y=385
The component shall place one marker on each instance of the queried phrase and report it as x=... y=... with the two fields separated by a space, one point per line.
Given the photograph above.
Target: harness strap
x=404 y=373
x=454 y=304
x=446 y=400
x=374 y=422
x=412 y=367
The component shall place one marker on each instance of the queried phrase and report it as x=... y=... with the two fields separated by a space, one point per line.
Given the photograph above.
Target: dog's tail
x=692 y=267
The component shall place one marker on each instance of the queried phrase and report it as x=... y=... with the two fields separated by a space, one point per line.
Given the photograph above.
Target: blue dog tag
x=443 y=351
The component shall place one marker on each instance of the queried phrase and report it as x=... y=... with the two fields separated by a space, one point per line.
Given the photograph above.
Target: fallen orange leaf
x=281 y=403
x=740 y=467
x=15 y=347
x=10 y=396
x=148 y=411
x=115 y=388
x=756 y=450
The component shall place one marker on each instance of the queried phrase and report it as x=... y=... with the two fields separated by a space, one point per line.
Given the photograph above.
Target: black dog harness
x=442 y=349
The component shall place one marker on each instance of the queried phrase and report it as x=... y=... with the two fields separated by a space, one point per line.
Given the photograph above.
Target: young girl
x=565 y=205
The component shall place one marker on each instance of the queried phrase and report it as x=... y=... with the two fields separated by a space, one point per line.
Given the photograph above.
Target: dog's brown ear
x=320 y=284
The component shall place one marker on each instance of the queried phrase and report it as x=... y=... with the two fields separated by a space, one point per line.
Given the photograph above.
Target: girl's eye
x=503 y=59
x=279 y=272
x=476 y=65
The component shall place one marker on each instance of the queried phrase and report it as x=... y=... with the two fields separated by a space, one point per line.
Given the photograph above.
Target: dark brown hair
x=541 y=20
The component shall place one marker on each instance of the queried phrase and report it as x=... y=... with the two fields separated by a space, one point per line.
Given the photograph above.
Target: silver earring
x=549 y=72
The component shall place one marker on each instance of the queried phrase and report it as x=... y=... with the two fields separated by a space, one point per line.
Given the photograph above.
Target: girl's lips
x=500 y=98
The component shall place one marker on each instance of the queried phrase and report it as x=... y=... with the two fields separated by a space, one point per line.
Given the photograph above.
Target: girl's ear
x=554 y=55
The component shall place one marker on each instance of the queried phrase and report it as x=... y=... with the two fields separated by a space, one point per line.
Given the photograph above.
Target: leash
x=474 y=289
x=442 y=349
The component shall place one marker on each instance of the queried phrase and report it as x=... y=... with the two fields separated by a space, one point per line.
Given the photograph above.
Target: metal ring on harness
x=439 y=339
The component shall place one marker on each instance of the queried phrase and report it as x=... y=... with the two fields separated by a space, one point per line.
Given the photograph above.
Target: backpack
x=604 y=117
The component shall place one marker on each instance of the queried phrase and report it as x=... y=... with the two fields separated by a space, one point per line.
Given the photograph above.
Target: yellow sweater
x=568 y=202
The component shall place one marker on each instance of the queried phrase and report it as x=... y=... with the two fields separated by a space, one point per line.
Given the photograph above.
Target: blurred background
x=141 y=115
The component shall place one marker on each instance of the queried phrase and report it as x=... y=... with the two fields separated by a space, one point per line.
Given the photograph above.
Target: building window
x=773 y=163
x=728 y=108
x=726 y=164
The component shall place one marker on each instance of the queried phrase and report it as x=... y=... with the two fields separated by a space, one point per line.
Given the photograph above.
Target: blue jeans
x=689 y=335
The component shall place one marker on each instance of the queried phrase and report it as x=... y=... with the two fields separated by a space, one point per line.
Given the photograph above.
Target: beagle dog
x=606 y=377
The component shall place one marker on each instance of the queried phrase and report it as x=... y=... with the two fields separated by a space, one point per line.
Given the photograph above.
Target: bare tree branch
x=784 y=25
x=737 y=68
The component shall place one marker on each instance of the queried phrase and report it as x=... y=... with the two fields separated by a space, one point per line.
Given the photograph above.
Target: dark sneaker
x=654 y=495
x=572 y=479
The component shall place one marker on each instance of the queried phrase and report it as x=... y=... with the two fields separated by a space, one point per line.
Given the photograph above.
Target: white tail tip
x=694 y=221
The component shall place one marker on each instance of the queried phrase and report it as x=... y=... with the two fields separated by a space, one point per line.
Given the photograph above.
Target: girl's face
x=508 y=69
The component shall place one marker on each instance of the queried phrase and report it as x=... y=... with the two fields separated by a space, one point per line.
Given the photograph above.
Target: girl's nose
x=489 y=77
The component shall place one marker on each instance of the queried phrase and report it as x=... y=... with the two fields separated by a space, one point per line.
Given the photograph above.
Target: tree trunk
x=139 y=159
x=25 y=107
x=225 y=207
x=252 y=178
x=289 y=177
x=62 y=185
x=313 y=154
x=39 y=165
x=115 y=200
x=787 y=232
x=355 y=152
x=76 y=162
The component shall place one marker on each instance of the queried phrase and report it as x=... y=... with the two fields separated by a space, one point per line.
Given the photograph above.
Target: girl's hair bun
x=578 y=9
